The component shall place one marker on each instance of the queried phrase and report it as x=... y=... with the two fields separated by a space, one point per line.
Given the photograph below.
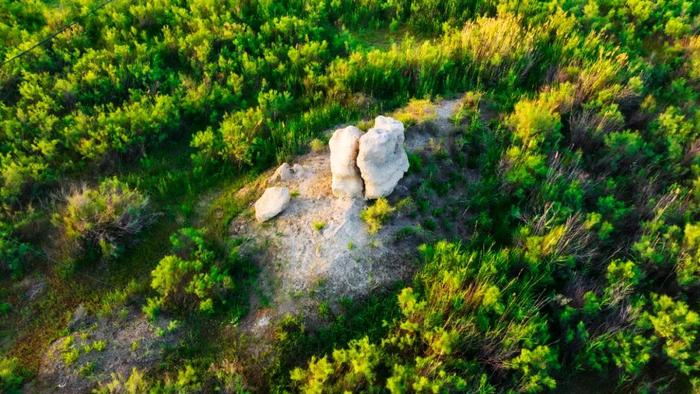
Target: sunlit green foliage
x=12 y=251
x=461 y=310
x=100 y=219
x=376 y=214
x=579 y=138
x=185 y=380
x=12 y=374
x=194 y=277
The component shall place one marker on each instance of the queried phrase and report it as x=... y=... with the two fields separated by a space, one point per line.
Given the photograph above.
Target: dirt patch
x=319 y=249
x=319 y=246
x=78 y=362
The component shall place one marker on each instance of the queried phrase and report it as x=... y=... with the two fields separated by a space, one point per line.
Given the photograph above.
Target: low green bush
x=194 y=277
x=99 y=221
x=455 y=309
x=13 y=253
x=376 y=215
x=12 y=375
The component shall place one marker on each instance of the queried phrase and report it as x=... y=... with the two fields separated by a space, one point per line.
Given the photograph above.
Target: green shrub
x=624 y=150
x=12 y=375
x=534 y=366
x=194 y=278
x=13 y=253
x=239 y=131
x=349 y=369
x=102 y=219
x=376 y=215
x=688 y=266
x=677 y=327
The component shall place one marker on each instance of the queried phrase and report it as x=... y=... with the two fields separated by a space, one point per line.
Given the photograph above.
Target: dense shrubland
x=584 y=258
x=597 y=173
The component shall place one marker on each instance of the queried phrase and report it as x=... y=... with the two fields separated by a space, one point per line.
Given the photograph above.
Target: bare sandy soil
x=319 y=249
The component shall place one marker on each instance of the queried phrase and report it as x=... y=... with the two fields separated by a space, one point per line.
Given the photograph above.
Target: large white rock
x=388 y=123
x=381 y=158
x=273 y=201
x=346 y=177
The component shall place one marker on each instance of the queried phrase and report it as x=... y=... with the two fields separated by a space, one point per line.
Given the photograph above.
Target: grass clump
x=196 y=276
x=415 y=112
x=87 y=369
x=96 y=222
x=376 y=215
x=70 y=356
x=317 y=145
x=224 y=376
x=318 y=225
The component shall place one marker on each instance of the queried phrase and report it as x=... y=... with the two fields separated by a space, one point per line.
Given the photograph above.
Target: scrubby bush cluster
x=12 y=374
x=242 y=84
x=196 y=276
x=224 y=377
x=462 y=314
x=581 y=135
x=584 y=255
x=98 y=220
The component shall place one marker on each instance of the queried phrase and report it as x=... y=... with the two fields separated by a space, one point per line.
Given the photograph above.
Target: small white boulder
x=282 y=173
x=285 y=172
x=346 y=180
x=298 y=171
x=273 y=201
x=381 y=158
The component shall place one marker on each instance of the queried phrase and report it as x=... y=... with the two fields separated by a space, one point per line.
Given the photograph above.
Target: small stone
x=273 y=201
x=33 y=287
x=285 y=173
x=282 y=173
x=346 y=179
x=298 y=171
